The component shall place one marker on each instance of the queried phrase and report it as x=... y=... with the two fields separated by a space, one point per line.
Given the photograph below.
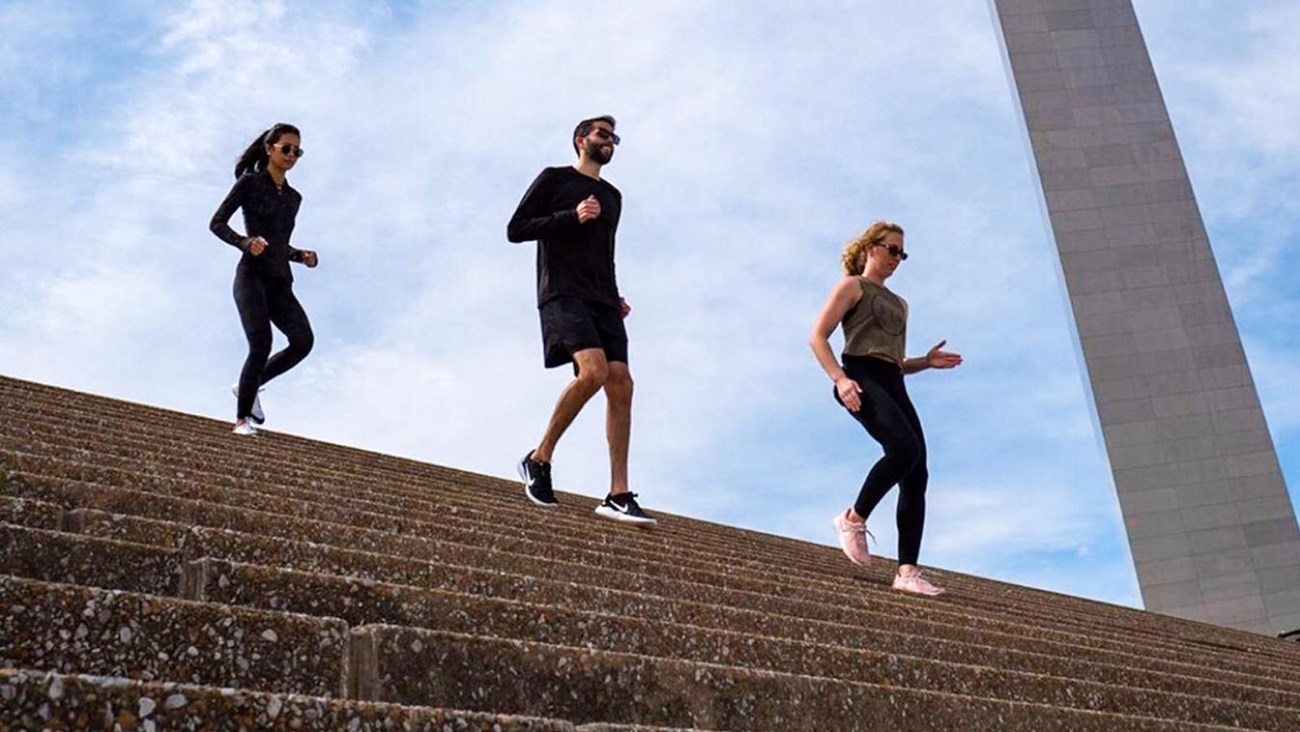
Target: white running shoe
x=245 y=428
x=257 y=414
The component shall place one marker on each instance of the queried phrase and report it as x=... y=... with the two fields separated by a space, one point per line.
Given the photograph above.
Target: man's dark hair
x=584 y=128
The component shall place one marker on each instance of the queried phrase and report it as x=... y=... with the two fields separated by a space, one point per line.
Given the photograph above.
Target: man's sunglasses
x=605 y=134
x=287 y=149
x=895 y=251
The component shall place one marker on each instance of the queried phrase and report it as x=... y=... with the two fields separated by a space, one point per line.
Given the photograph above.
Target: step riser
x=65 y=558
x=507 y=608
x=974 y=649
x=357 y=496
x=422 y=667
x=247 y=548
x=1017 y=610
x=369 y=603
x=1013 y=614
x=36 y=514
x=36 y=701
x=932 y=622
x=80 y=630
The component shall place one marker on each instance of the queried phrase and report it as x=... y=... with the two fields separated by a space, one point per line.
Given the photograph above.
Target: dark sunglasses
x=287 y=149
x=895 y=251
x=605 y=134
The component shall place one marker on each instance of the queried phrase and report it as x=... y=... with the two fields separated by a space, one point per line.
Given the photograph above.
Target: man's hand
x=309 y=257
x=937 y=359
x=623 y=307
x=256 y=246
x=588 y=209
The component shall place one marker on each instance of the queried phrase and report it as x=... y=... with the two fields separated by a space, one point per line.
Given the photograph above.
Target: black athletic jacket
x=268 y=213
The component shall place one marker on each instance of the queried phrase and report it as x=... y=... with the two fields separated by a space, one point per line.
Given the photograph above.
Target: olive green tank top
x=876 y=325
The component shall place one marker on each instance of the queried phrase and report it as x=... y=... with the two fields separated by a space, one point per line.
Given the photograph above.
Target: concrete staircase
x=157 y=572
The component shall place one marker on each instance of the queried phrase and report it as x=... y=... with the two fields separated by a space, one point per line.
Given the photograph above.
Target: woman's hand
x=940 y=359
x=309 y=257
x=256 y=245
x=849 y=392
x=623 y=308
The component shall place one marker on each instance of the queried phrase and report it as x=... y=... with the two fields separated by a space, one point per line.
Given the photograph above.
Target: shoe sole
x=523 y=476
x=918 y=594
x=610 y=513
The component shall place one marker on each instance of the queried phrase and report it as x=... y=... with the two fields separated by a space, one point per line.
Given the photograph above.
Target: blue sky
x=758 y=137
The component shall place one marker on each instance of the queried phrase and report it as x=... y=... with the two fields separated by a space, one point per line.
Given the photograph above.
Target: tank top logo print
x=888 y=313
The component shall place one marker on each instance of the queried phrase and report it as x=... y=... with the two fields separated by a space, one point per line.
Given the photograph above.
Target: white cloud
x=758 y=139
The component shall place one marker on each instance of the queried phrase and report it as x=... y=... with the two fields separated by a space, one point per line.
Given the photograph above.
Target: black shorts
x=570 y=325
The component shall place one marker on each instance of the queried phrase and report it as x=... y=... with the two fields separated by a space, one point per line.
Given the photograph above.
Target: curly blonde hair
x=855 y=252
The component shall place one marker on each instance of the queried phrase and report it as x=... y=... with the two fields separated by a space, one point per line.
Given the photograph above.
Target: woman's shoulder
x=850 y=286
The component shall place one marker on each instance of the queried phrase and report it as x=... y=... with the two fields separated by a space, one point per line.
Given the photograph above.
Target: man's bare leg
x=618 y=423
x=593 y=372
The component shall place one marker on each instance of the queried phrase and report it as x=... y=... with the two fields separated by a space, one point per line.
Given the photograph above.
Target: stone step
x=93 y=447
x=1031 y=677
x=1099 y=614
x=674 y=595
x=36 y=514
x=596 y=557
x=313 y=504
x=415 y=666
x=55 y=556
x=843 y=628
x=84 y=630
x=777 y=599
x=1102 y=610
x=56 y=702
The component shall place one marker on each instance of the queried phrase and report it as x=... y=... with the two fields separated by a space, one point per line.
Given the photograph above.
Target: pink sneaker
x=853 y=538
x=916 y=584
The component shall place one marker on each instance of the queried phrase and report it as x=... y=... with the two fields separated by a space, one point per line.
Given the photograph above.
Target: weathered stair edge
x=580 y=684
x=1162 y=705
x=480 y=477
x=921 y=612
x=264 y=551
x=1236 y=642
x=36 y=700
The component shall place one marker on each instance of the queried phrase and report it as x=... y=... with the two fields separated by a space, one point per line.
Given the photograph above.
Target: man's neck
x=588 y=167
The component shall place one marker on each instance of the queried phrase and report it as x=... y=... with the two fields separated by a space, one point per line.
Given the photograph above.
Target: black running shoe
x=623 y=507
x=536 y=475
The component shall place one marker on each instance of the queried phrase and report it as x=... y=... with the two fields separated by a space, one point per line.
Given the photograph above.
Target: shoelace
x=918 y=577
x=851 y=529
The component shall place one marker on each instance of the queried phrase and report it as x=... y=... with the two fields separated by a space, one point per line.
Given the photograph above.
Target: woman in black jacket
x=263 y=282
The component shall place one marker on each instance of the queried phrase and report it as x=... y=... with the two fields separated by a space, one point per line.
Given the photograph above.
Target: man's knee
x=593 y=373
x=619 y=383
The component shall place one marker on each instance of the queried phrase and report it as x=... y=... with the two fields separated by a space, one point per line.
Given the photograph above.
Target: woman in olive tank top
x=869 y=384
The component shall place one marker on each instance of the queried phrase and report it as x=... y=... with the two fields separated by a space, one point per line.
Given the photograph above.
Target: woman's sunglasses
x=895 y=251
x=605 y=134
x=287 y=149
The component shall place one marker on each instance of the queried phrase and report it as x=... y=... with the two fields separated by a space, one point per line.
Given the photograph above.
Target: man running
x=573 y=214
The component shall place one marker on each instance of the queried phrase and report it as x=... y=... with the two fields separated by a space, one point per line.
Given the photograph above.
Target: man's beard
x=596 y=153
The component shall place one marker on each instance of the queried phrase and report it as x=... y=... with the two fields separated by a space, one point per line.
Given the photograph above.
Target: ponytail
x=255 y=158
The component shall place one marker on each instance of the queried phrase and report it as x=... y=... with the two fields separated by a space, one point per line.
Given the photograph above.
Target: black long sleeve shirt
x=269 y=213
x=573 y=259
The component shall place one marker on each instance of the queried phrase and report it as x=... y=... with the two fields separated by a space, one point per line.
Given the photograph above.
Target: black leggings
x=262 y=301
x=890 y=419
